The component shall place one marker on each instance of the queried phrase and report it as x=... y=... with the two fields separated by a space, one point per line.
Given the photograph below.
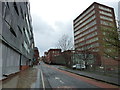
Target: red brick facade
x=88 y=34
x=36 y=55
x=50 y=54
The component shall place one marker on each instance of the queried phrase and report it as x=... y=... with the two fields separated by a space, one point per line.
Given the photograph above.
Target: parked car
x=78 y=66
x=74 y=67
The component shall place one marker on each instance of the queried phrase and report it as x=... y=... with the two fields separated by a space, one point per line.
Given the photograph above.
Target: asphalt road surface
x=49 y=76
x=55 y=78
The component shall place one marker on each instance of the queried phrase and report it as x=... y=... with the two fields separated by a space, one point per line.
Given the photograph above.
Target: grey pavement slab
x=29 y=78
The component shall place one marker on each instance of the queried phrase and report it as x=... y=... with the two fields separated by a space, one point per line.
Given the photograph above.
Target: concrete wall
x=11 y=60
x=16 y=36
x=22 y=39
x=0 y=60
x=0 y=42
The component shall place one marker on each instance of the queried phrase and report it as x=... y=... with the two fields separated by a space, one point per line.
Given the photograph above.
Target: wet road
x=49 y=76
x=55 y=78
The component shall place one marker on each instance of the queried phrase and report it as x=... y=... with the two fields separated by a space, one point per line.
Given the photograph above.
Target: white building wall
x=24 y=60
x=10 y=60
x=0 y=60
x=0 y=43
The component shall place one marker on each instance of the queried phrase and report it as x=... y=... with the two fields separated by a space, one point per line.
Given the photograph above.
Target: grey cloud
x=40 y=25
x=64 y=27
x=44 y=34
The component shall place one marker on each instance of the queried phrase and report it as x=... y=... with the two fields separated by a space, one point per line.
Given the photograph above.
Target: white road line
x=42 y=80
x=57 y=78
x=61 y=81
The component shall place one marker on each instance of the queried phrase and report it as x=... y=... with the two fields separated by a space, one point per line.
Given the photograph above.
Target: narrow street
x=49 y=76
x=55 y=78
x=66 y=44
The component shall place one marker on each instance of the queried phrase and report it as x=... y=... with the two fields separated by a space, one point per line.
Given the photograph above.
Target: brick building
x=36 y=56
x=49 y=56
x=88 y=30
x=73 y=57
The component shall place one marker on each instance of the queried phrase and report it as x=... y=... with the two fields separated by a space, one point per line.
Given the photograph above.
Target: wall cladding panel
x=11 y=60
x=24 y=60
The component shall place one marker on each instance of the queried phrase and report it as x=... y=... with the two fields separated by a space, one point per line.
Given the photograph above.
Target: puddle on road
x=25 y=79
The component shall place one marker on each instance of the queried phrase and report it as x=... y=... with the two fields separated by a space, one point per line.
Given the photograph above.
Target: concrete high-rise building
x=88 y=29
x=16 y=36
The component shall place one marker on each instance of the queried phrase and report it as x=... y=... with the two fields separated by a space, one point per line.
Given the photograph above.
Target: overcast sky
x=53 y=18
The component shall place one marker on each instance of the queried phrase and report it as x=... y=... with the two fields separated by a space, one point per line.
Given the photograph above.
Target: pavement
x=30 y=78
x=103 y=78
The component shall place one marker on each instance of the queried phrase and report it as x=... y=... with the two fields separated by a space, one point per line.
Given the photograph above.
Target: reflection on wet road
x=29 y=78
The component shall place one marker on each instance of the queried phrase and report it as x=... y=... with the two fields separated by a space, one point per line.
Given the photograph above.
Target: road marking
x=42 y=80
x=61 y=81
x=66 y=87
x=57 y=78
x=88 y=80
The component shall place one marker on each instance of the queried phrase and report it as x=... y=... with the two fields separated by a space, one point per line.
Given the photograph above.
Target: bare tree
x=67 y=55
x=85 y=53
x=65 y=43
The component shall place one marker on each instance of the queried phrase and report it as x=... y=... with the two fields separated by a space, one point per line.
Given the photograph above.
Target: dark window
x=7 y=4
x=22 y=12
x=24 y=29
x=22 y=45
x=13 y=32
x=26 y=2
x=11 y=29
x=16 y=9
x=19 y=29
x=25 y=15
